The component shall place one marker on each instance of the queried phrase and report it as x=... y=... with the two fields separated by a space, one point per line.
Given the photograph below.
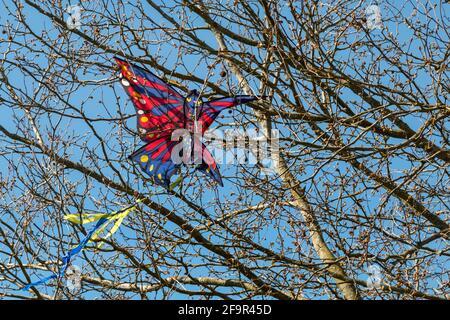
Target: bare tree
x=357 y=206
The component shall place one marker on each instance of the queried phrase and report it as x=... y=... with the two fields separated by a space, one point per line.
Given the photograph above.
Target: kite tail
x=101 y=219
x=66 y=259
x=38 y=283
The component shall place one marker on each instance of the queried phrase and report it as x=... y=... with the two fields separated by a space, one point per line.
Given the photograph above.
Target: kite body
x=161 y=110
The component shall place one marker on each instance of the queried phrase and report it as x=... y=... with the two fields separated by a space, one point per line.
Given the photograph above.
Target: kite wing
x=211 y=109
x=155 y=159
x=209 y=166
x=159 y=107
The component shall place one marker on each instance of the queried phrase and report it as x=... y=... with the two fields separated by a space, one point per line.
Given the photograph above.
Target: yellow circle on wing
x=144 y=119
x=159 y=176
x=188 y=99
x=144 y=158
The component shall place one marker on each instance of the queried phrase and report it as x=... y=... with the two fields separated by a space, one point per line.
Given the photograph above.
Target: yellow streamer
x=84 y=218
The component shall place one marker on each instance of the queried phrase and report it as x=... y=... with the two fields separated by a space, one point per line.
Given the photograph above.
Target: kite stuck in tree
x=160 y=111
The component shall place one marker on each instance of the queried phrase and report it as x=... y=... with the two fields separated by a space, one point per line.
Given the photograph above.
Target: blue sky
x=106 y=103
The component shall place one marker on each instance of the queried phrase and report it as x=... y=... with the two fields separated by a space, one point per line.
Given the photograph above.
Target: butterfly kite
x=160 y=111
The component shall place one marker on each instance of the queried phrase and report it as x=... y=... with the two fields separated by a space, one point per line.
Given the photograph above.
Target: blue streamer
x=66 y=259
